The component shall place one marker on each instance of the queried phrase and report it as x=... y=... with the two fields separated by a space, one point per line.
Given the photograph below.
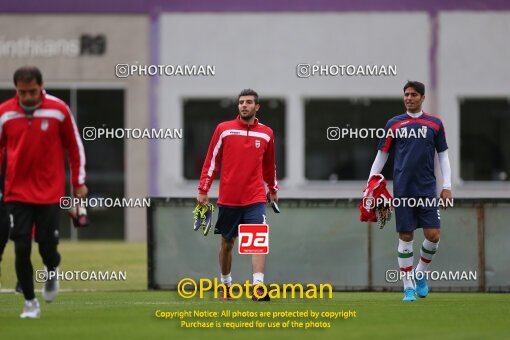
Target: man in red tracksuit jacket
x=244 y=149
x=37 y=130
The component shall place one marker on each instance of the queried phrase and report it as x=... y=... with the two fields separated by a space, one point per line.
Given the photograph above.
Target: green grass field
x=125 y=310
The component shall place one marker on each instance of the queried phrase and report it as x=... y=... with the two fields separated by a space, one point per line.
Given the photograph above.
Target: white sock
x=405 y=261
x=226 y=279
x=427 y=252
x=258 y=278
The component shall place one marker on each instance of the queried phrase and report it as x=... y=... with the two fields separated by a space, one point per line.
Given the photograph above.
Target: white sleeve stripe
x=49 y=113
x=215 y=153
x=232 y=132
x=8 y=116
x=260 y=135
x=275 y=181
x=49 y=96
x=44 y=113
x=81 y=151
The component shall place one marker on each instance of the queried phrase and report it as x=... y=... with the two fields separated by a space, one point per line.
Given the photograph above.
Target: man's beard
x=247 y=116
x=30 y=105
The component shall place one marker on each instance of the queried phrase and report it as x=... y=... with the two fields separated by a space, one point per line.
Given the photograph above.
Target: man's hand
x=202 y=199
x=272 y=200
x=446 y=195
x=81 y=192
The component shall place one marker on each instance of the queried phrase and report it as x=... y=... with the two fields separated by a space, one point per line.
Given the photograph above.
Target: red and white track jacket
x=246 y=156
x=36 y=149
x=376 y=188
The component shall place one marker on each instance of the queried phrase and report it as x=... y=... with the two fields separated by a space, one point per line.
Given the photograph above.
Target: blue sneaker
x=198 y=215
x=409 y=295
x=422 y=289
x=207 y=221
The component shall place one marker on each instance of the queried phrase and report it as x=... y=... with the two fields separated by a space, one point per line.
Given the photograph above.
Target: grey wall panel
x=497 y=249
x=322 y=241
x=323 y=245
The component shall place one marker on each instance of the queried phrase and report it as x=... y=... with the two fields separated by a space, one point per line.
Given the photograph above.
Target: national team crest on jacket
x=257 y=143
x=44 y=125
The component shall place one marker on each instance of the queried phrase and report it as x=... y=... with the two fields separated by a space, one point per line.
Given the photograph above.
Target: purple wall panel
x=150 y=6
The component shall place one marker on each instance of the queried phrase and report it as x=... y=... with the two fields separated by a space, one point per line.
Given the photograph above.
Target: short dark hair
x=249 y=92
x=419 y=87
x=26 y=74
